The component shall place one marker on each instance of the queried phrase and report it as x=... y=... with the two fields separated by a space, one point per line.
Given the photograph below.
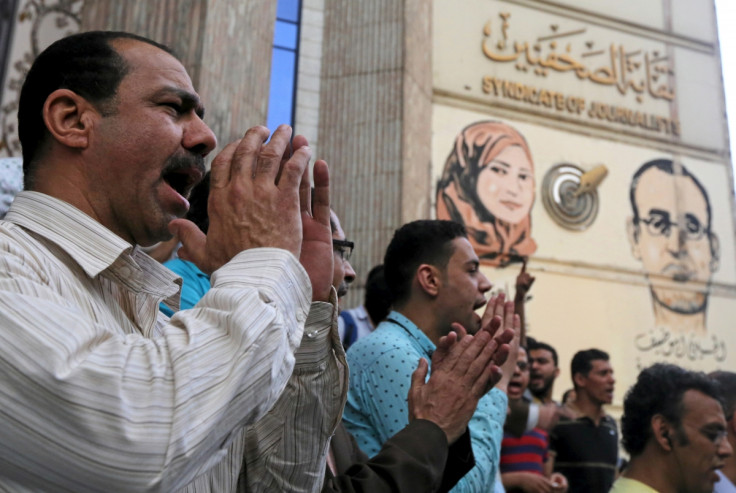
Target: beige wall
x=384 y=89
x=591 y=290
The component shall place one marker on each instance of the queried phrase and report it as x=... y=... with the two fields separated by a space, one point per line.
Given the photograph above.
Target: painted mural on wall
x=39 y=23
x=670 y=232
x=488 y=185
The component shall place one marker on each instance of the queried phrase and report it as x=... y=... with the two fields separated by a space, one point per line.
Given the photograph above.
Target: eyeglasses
x=659 y=224
x=344 y=248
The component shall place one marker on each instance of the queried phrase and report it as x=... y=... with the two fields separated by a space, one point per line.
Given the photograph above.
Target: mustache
x=188 y=161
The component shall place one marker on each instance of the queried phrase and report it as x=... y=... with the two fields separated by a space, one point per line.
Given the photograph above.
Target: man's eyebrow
x=189 y=100
x=659 y=212
x=473 y=262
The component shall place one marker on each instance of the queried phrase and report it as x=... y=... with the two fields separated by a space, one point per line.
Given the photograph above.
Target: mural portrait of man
x=488 y=185
x=670 y=232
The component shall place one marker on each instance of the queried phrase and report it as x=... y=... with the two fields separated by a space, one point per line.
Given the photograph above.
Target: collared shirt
x=11 y=181
x=381 y=365
x=102 y=392
x=724 y=485
x=586 y=453
x=195 y=284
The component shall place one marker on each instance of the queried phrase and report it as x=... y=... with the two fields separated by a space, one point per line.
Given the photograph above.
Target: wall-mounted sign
x=499 y=53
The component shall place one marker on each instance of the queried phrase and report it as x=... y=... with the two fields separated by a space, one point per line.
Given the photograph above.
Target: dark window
x=282 y=93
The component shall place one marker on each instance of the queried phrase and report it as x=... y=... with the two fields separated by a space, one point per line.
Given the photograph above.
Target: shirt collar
x=580 y=415
x=419 y=337
x=90 y=244
x=94 y=247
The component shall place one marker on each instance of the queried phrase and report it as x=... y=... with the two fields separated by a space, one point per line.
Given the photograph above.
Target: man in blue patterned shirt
x=436 y=283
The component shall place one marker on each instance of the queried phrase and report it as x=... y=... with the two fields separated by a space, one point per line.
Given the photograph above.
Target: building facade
x=590 y=140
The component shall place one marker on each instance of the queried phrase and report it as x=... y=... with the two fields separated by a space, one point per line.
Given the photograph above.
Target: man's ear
x=633 y=232
x=69 y=118
x=662 y=432
x=557 y=372
x=428 y=277
x=579 y=380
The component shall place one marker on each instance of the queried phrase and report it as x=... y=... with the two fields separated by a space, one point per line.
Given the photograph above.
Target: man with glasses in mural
x=670 y=232
x=675 y=430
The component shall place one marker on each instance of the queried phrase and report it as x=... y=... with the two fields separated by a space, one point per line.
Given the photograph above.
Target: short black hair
x=659 y=390
x=534 y=344
x=377 y=299
x=582 y=362
x=427 y=241
x=85 y=63
x=667 y=166
x=727 y=382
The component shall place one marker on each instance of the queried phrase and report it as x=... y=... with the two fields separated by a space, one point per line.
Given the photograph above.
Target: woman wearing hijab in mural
x=488 y=185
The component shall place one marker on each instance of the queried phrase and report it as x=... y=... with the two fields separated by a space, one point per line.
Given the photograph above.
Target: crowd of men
x=226 y=370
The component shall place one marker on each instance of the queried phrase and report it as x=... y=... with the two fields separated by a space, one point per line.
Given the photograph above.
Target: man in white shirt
x=100 y=391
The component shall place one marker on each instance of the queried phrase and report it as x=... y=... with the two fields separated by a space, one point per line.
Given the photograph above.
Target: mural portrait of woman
x=488 y=185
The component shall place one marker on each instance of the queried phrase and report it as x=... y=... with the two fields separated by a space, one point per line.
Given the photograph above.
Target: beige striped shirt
x=101 y=392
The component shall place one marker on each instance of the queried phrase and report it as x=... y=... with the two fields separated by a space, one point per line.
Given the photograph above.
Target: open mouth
x=514 y=385
x=479 y=304
x=182 y=179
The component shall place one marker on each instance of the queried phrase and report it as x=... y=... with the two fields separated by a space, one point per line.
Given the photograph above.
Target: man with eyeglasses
x=343 y=273
x=675 y=430
x=670 y=232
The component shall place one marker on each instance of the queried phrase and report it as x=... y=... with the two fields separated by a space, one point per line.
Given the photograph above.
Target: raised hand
x=254 y=200
x=500 y=321
x=462 y=373
x=316 y=255
x=524 y=280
